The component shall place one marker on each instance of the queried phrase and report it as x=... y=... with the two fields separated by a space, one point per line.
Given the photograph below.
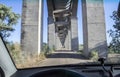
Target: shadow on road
x=74 y=55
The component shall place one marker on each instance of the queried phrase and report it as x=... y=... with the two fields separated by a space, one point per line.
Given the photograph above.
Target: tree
x=7 y=20
x=115 y=33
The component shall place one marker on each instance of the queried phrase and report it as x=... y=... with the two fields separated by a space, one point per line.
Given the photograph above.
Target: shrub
x=94 y=55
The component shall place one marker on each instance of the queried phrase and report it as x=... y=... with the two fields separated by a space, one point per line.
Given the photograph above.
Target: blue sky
x=109 y=7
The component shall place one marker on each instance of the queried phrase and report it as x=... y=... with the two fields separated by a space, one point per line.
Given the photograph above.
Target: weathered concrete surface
x=74 y=34
x=71 y=40
x=51 y=32
x=94 y=31
x=31 y=37
x=53 y=39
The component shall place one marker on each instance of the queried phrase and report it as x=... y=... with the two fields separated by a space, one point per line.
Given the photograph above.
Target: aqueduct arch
x=62 y=25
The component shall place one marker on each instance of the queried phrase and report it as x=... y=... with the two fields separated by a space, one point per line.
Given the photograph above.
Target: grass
x=113 y=58
x=30 y=61
x=94 y=55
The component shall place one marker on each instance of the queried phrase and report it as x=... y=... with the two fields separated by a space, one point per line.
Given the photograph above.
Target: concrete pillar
x=67 y=43
x=40 y=26
x=70 y=37
x=53 y=39
x=74 y=33
x=94 y=31
x=51 y=32
x=31 y=36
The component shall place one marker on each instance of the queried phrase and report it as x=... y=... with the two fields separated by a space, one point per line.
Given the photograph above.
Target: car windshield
x=41 y=33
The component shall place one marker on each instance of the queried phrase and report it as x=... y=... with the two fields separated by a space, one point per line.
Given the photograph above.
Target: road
x=63 y=58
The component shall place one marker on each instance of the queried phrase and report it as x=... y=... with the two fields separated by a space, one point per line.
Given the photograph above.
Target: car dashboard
x=68 y=71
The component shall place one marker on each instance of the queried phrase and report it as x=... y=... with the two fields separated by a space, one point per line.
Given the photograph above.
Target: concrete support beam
x=53 y=39
x=56 y=9
x=94 y=31
x=51 y=33
x=74 y=34
x=67 y=43
x=40 y=26
x=32 y=17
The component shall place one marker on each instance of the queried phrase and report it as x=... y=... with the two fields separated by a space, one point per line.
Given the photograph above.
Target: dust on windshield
x=42 y=33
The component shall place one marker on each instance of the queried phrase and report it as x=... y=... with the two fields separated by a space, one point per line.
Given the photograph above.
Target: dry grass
x=25 y=60
x=30 y=61
x=113 y=58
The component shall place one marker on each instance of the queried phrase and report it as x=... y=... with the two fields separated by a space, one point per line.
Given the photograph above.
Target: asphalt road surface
x=63 y=58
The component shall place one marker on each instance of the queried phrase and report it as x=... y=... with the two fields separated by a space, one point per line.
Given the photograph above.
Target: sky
x=109 y=7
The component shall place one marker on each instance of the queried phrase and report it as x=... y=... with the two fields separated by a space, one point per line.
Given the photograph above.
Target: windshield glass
x=41 y=33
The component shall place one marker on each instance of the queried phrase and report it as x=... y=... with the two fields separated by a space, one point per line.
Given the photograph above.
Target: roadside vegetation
x=23 y=61
x=9 y=19
x=114 y=33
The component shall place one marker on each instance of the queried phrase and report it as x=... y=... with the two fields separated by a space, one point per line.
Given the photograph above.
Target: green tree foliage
x=115 y=34
x=7 y=20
